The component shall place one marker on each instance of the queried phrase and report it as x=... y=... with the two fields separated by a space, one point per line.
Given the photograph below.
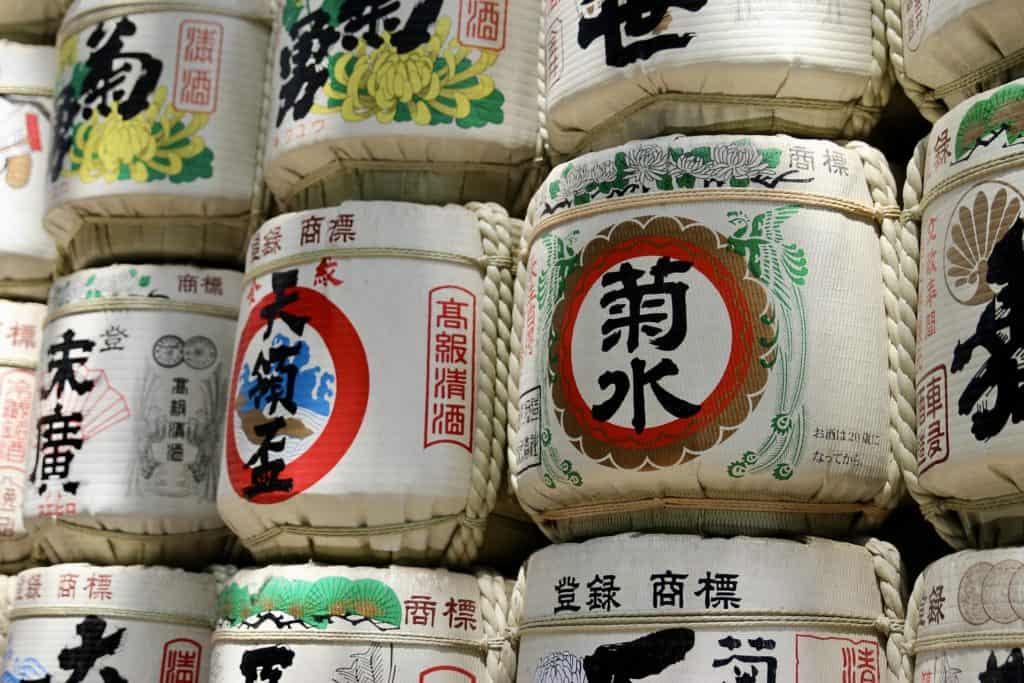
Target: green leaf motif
x=292 y=11
x=78 y=75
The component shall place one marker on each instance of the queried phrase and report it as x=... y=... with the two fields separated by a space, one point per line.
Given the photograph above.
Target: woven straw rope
x=902 y=371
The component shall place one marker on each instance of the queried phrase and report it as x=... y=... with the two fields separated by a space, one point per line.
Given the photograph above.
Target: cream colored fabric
x=377 y=462
x=457 y=124
x=151 y=347
x=666 y=607
x=945 y=51
x=818 y=69
x=961 y=197
x=792 y=456
x=392 y=624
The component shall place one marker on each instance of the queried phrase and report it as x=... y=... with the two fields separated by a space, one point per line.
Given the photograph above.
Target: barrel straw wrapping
x=944 y=51
x=384 y=438
x=82 y=622
x=618 y=71
x=681 y=608
x=32 y=20
x=159 y=114
x=964 y=618
x=431 y=102
x=964 y=196
x=27 y=254
x=20 y=332
x=133 y=389
x=702 y=327
x=364 y=625
x=6 y=593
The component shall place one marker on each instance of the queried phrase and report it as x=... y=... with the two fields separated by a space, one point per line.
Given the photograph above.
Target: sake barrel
x=619 y=71
x=82 y=622
x=32 y=20
x=689 y=306
x=159 y=109
x=962 y=195
x=663 y=608
x=20 y=332
x=363 y=625
x=366 y=417
x=964 y=618
x=130 y=415
x=28 y=255
x=945 y=51
x=6 y=586
x=426 y=102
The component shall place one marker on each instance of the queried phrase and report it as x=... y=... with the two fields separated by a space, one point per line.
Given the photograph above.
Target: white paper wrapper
x=971 y=231
x=429 y=102
x=31 y=19
x=145 y=624
x=359 y=624
x=620 y=71
x=28 y=254
x=683 y=343
x=173 y=145
x=21 y=326
x=964 y=621
x=947 y=50
x=130 y=415
x=685 y=609
x=373 y=450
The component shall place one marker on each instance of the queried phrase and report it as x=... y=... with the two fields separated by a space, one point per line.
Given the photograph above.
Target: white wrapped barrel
x=426 y=102
x=703 y=331
x=79 y=622
x=159 y=110
x=964 y=618
x=619 y=70
x=662 y=609
x=129 y=418
x=366 y=412
x=944 y=51
x=6 y=594
x=21 y=326
x=362 y=625
x=27 y=255
x=31 y=20
x=964 y=194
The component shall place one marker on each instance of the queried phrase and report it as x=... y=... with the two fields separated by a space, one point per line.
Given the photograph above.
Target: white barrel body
x=21 y=327
x=427 y=102
x=356 y=624
x=143 y=624
x=971 y=233
x=31 y=20
x=967 y=618
x=684 y=609
x=951 y=49
x=371 y=450
x=157 y=129
x=620 y=71
x=681 y=355
x=28 y=254
x=130 y=415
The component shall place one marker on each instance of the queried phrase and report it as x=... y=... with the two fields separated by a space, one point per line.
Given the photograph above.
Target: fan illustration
x=101 y=407
x=19 y=138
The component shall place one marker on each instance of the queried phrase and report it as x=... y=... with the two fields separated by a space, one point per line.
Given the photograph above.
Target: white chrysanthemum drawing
x=646 y=164
x=737 y=162
x=560 y=667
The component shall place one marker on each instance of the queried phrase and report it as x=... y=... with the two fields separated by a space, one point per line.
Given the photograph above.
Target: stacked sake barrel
x=32 y=20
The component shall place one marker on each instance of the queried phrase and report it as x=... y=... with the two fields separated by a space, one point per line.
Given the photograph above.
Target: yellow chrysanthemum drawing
x=155 y=144
x=431 y=84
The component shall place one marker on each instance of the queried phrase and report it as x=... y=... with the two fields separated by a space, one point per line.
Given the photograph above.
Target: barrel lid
x=149 y=593
x=26 y=69
x=693 y=575
x=83 y=13
x=173 y=285
x=973 y=592
x=20 y=332
x=361 y=226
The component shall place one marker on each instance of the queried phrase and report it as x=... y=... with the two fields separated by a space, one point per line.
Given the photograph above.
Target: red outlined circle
x=352 y=391
x=740 y=356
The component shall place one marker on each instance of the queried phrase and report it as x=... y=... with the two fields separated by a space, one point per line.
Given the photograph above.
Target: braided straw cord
x=495 y=604
x=902 y=395
x=222 y=573
x=889 y=573
x=543 y=146
x=946 y=523
x=918 y=93
x=913 y=618
x=879 y=86
x=496 y=232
